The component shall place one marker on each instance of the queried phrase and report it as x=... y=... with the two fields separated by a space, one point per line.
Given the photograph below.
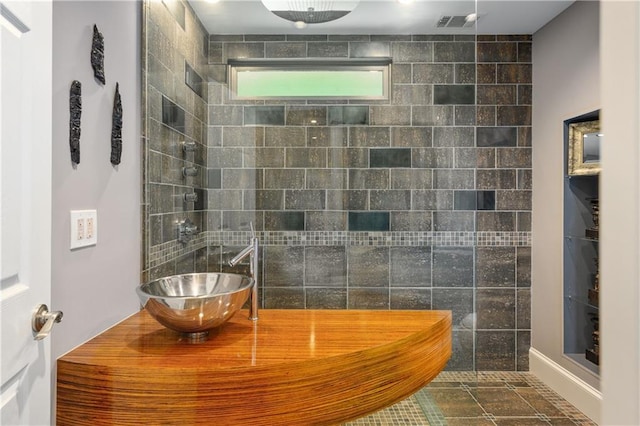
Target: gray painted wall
x=94 y=286
x=566 y=82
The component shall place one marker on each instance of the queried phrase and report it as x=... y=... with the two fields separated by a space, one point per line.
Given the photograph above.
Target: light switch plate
x=84 y=228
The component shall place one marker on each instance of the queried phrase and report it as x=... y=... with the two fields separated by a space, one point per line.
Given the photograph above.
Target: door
x=25 y=208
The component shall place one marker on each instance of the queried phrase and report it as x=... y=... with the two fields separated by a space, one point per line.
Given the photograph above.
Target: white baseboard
x=580 y=394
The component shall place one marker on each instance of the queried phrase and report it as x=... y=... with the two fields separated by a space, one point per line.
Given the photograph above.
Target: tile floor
x=479 y=399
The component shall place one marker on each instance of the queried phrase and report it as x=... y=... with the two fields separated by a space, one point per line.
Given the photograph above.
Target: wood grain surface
x=292 y=367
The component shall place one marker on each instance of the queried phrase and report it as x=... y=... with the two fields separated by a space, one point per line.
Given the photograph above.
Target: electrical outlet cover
x=84 y=228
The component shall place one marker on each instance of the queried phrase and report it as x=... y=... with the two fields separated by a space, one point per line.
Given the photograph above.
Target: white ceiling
x=385 y=17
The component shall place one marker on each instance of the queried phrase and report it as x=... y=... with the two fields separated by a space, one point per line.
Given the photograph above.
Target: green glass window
x=310 y=79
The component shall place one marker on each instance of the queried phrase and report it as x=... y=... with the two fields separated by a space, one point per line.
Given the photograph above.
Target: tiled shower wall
x=419 y=202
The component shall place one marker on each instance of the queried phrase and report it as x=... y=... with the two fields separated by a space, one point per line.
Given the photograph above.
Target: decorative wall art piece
x=116 y=128
x=75 y=111
x=97 y=55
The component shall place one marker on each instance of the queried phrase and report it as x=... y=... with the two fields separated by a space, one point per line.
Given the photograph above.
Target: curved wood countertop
x=291 y=367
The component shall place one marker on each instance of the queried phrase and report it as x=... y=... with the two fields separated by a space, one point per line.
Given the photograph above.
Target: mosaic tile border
x=162 y=253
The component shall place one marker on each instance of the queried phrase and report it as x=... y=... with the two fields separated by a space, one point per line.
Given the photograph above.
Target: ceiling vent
x=460 y=21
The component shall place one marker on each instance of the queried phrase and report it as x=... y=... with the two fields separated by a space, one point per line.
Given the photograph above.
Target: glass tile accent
x=368 y=221
x=390 y=157
x=193 y=80
x=486 y=200
x=352 y=115
x=172 y=115
x=454 y=94
x=264 y=115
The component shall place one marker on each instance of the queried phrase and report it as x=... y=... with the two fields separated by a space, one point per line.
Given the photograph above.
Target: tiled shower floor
x=479 y=399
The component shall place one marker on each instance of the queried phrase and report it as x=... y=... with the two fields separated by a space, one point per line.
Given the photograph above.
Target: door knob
x=42 y=321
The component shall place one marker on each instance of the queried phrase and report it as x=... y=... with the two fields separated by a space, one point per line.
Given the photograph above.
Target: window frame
x=312 y=65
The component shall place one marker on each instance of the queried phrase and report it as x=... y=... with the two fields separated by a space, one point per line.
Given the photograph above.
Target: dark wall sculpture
x=116 y=128
x=97 y=55
x=75 y=111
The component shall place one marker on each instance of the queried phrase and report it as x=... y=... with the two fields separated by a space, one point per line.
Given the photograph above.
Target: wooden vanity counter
x=291 y=367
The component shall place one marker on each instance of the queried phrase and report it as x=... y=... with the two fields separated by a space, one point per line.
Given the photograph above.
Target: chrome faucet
x=252 y=251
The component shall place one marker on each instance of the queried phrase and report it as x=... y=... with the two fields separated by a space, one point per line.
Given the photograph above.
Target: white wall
x=620 y=200
x=94 y=286
x=566 y=81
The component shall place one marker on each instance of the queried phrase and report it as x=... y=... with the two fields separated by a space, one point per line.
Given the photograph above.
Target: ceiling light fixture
x=310 y=11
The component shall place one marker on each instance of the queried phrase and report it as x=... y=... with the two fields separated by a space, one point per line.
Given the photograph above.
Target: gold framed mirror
x=585 y=140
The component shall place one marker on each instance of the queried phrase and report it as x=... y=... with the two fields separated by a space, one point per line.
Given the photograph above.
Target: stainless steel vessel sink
x=195 y=303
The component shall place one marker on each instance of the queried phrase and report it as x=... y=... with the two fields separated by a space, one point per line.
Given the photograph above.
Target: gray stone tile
x=432 y=200
x=513 y=200
x=482 y=158
x=306 y=116
x=412 y=52
x=326 y=221
x=384 y=115
x=513 y=73
x=326 y=298
x=496 y=94
x=523 y=221
x=432 y=158
x=410 y=266
x=327 y=136
x=348 y=200
x=283 y=298
x=453 y=179
x=306 y=157
x=351 y=158
x=326 y=266
x=496 y=179
x=411 y=179
x=462 y=357
x=368 y=298
x=513 y=115
x=390 y=199
x=284 y=136
x=465 y=115
x=284 y=221
x=368 y=179
x=328 y=49
x=242 y=136
x=368 y=266
x=457 y=300
x=438 y=115
x=497 y=52
x=454 y=221
x=242 y=179
x=224 y=199
x=465 y=73
x=307 y=199
x=410 y=298
x=433 y=73
x=411 y=221
x=326 y=179
x=514 y=158
x=495 y=350
x=286 y=50
x=454 y=52
x=307 y=37
x=495 y=221
x=411 y=136
x=400 y=73
x=369 y=136
x=230 y=115
x=264 y=157
x=453 y=137
x=283 y=266
x=523 y=339
x=241 y=220
x=495 y=266
x=523 y=266
x=412 y=94
x=264 y=200
x=525 y=179
x=185 y=264
x=495 y=309
x=284 y=178
x=452 y=267
x=243 y=50
x=524 y=136
x=523 y=309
